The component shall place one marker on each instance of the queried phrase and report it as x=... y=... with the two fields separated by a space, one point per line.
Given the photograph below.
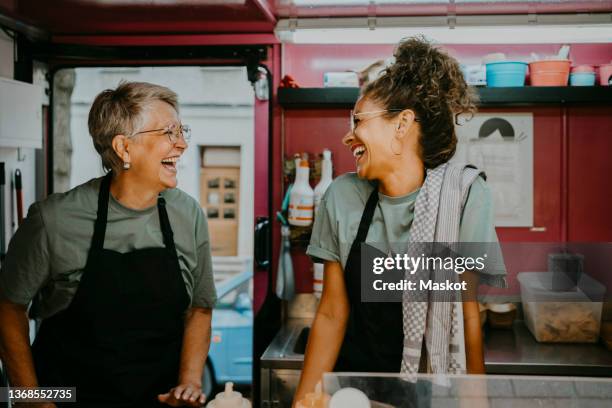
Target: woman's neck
x=406 y=176
x=132 y=193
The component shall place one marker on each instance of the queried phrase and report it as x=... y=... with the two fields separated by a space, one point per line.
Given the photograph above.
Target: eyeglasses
x=460 y=118
x=355 y=117
x=173 y=132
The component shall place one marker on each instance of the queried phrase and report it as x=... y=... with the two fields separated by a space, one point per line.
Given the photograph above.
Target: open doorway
x=217 y=170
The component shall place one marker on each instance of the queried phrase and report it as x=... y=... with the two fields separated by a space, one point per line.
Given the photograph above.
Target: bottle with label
x=301 y=200
x=326 y=178
x=317 y=279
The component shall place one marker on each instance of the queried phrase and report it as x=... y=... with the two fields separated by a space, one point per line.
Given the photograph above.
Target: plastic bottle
x=229 y=399
x=317 y=279
x=301 y=200
x=326 y=179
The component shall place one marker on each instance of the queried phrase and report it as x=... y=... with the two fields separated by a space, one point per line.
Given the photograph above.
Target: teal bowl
x=506 y=73
x=582 y=79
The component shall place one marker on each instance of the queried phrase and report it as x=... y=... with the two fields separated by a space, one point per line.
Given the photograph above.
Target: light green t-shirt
x=47 y=254
x=342 y=206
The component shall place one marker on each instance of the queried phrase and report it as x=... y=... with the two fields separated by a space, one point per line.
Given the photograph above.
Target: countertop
x=506 y=352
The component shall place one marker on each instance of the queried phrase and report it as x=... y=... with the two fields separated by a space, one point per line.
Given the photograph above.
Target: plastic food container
x=549 y=72
x=605 y=74
x=582 y=79
x=561 y=317
x=506 y=73
x=474 y=74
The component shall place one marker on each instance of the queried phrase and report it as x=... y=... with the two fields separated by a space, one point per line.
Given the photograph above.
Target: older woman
x=118 y=269
x=404 y=191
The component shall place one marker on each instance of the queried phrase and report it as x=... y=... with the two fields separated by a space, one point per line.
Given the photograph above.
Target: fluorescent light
x=494 y=34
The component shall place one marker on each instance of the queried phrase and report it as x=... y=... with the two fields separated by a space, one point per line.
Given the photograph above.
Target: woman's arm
x=15 y=345
x=196 y=342
x=327 y=330
x=474 y=349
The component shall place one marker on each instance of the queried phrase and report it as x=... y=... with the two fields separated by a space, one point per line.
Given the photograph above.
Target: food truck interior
x=264 y=82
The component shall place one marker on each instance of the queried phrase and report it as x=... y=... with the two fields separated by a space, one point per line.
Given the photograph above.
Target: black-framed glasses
x=355 y=117
x=173 y=132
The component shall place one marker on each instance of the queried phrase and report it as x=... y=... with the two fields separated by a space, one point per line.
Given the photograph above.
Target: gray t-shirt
x=342 y=205
x=47 y=254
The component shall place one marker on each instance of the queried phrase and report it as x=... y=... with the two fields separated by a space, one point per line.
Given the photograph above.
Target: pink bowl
x=549 y=72
x=583 y=68
x=605 y=72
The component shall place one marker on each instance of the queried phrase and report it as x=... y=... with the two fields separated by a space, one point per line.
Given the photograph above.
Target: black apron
x=119 y=340
x=374 y=337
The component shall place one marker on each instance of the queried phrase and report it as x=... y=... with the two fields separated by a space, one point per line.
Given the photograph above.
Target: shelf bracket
x=532 y=15
x=372 y=23
x=372 y=15
x=451 y=18
x=293 y=23
x=20 y=155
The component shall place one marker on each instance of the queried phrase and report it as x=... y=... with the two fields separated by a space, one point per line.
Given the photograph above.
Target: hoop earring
x=126 y=165
x=397 y=153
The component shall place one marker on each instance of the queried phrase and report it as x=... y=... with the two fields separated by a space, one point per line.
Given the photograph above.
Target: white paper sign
x=501 y=144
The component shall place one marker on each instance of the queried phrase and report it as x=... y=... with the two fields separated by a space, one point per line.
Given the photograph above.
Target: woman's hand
x=186 y=394
x=196 y=342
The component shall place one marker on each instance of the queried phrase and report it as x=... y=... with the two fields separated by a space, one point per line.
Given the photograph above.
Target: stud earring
x=126 y=165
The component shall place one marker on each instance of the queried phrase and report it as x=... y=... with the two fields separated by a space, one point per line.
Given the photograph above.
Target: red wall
x=572 y=149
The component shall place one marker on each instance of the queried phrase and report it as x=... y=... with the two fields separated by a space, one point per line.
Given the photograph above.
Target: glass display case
x=363 y=390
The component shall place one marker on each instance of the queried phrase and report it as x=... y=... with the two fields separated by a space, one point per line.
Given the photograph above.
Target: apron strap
x=366 y=217
x=97 y=242
x=102 y=216
x=166 y=228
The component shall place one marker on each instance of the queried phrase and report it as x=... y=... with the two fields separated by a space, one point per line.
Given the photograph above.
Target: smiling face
x=153 y=157
x=370 y=142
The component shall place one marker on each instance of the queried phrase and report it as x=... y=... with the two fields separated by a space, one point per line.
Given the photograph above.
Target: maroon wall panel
x=314 y=130
x=590 y=174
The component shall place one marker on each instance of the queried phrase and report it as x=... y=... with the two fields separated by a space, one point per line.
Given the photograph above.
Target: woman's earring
x=399 y=151
x=126 y=165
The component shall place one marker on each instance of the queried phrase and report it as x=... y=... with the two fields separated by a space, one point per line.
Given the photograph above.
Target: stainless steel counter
x=506 y=352
x=517 y=352
x=280 y=353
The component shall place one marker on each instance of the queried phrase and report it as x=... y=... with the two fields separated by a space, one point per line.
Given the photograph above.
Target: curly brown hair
x=430 y=82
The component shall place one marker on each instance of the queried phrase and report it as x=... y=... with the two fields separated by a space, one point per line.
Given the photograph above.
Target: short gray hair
x=120 y=111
